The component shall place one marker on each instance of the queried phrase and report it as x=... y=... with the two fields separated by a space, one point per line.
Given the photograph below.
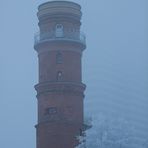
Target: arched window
x=59 y=76
x=59 y=30
x=59 y=26
x=59 y=58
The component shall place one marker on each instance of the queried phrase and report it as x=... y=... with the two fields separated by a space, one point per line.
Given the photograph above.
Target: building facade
x=60 y=91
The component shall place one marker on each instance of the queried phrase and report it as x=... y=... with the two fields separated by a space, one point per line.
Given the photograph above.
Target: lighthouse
x=60 y=91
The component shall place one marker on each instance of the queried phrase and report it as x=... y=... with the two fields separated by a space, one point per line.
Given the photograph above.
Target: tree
x=107 y=133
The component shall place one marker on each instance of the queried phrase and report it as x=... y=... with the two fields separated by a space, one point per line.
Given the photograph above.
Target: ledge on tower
x=77 y=37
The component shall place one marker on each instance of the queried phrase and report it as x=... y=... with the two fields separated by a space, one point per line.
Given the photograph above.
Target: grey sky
x=117 y=53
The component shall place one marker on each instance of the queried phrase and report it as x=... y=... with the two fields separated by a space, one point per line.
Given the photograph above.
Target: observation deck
x=67 y=36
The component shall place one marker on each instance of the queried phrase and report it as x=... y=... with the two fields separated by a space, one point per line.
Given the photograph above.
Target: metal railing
x=65 y=35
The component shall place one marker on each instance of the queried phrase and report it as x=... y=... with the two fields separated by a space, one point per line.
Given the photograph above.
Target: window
x=59 y=58
x=59 y=26
x=81 y=132
x=50 y=111
x=59 y=75
x=59 y=30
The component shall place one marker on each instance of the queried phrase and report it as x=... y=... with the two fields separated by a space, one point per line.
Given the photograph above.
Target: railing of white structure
x=66 y=35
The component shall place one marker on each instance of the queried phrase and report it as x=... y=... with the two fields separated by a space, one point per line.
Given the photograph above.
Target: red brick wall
x=70 y=67
x=65 y=95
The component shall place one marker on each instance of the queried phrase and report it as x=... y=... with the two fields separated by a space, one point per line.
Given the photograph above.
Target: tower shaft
x=60 y=91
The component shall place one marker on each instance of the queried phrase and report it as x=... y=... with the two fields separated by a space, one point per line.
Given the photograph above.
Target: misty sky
x=115 y=61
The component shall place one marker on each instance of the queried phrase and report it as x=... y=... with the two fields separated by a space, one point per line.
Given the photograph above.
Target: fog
x=115 y=65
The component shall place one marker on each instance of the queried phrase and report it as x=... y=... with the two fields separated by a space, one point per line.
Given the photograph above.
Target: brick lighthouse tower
x=60 y=91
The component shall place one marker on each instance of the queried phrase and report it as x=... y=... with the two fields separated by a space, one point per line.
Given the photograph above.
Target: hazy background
x=114 y=64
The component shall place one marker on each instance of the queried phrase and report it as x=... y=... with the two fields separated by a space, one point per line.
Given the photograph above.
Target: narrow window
x=59 y=58
x=59 y=76
x=59 y=30
x=81 y=132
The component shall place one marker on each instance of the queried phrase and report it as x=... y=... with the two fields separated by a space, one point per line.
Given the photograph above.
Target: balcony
x=77 y=37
